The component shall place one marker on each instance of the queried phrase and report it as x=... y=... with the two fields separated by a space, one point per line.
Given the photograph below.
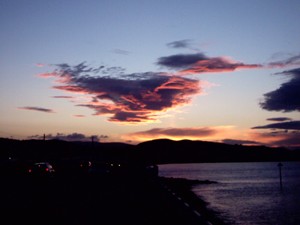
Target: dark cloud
x=293 y=60
x=39 y=109
x=279 y=119
x=286 y=97
x=65 y=70
x=132 y=117
x=181 y=61
x=70 y=137
x=180 y=44
x=136 y=97
x=291 y=125
x=240 y=142
x=200 y=63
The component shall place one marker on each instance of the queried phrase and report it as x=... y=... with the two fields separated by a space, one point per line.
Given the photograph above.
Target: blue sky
x=131 y=37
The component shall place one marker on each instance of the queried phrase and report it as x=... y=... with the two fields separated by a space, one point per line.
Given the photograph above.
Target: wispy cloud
x=62 y=96
x=79 y=116
x=290 y=125
x=39 y=109
x=134 y=98
x=197 y=63
x=279 y=119
x=120 y=51
x=290 y=61
x=286 y=97
x=180 y=44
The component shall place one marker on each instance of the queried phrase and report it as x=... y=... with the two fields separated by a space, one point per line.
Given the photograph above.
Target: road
x=91 y=200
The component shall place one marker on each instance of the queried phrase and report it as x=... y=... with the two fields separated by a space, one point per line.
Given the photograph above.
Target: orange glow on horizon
x=225 y=134
x=191 y=133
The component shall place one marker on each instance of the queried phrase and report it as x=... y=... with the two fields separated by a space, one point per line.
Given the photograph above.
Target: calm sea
x=246 y=193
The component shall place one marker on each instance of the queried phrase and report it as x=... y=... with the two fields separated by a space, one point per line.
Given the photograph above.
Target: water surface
x=246 y=193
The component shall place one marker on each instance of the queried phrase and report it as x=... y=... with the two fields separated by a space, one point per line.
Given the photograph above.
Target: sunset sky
x=131 y=71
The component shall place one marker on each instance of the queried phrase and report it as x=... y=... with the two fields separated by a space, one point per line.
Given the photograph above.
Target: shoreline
x=181 y=189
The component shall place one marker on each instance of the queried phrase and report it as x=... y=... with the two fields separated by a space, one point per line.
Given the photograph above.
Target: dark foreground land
x=105 y=195
x=98 y=200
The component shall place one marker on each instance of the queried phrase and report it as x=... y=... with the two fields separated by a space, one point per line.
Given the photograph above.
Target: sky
x=132 y=71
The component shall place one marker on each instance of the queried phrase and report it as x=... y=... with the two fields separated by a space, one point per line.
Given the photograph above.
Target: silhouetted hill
x=156 y=151
x=167 y=151
x=58 y=149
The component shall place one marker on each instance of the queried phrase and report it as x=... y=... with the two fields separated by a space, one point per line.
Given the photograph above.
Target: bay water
x=245 y=193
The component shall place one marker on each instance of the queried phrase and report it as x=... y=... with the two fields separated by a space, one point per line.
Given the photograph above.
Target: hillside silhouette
x=160 y=151
x=187 y=151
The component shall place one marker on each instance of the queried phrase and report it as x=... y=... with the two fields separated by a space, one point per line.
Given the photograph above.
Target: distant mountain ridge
x=157 y=151
x=168 y=151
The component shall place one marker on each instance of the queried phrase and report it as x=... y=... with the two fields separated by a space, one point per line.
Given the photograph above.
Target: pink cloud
x=133 y=98
x=47 y=75
x=217 y=65
x=197 y=63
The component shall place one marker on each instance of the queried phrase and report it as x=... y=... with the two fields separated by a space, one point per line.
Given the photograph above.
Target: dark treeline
x=151 y=152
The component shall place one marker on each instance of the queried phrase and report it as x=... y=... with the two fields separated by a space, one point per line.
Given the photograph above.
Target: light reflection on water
x=246 y=193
